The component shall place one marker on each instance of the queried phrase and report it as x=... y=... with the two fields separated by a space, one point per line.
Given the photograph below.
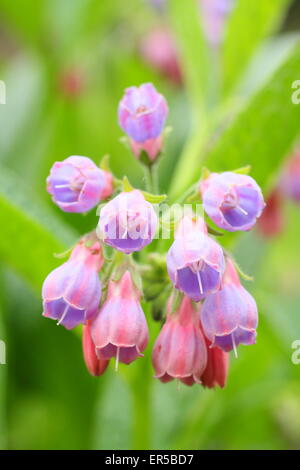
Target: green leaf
x=199 y=82
x=242 y=37
x=30 y=233
x=244 y=170
x=194 y=54
x=154 y=198
x=263 y=133
x=127 y=186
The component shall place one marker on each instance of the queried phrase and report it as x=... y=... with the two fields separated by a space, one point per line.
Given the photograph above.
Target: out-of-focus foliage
x=47 y=399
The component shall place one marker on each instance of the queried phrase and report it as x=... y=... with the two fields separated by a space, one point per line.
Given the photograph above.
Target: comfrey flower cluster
x=194 y=289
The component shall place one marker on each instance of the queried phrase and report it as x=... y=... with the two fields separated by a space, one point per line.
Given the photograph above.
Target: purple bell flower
x=71 y=293
x=229 y=317
x=195 y=261
x=128 y=222
x=232 y=201
x=142 y=113
x=77 y=184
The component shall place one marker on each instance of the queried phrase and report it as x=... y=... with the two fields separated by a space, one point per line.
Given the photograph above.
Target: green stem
x=141 y=390
x=189 y=164
x=151 y=177
x=141 y=386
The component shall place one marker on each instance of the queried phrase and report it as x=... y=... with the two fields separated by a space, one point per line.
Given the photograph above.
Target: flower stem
x=141 y=390
x=151 y=177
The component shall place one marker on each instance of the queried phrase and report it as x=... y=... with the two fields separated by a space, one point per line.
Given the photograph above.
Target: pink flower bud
x=271 y=222
x=127 y=222
x=94 y=365
x=120 y=329
x=180 y=351
x=77 y=184
x=233 y=201
x=290 y=178
x=216 y=371
x=195 y=261
x=71 y=293
x=151 y=147
x=229 y=317
x=142 y=113
x=159 y=50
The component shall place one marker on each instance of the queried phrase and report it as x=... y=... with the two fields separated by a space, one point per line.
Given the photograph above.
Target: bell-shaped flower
x=77 y=184
x=233 y=201
x=216 y=370
x=94 y=365
x=229 y=317
x=128 y=222
x=71 y=293
x=142 y=116
x=180 y=351
x=195 y=261
x=120 y=329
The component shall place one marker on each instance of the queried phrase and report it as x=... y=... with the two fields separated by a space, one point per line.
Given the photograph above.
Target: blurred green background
x=65 y=64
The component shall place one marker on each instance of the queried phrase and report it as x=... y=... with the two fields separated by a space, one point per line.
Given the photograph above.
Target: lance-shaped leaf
x=264 y=131
x=249 y=23
x=30 y=233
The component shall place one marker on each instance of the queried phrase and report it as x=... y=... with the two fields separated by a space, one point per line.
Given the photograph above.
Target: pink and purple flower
x=128 y=222
x=180 y=351
x=233 y=201
x=71 y=293
x=195 y=261
x=142 y=116
x=229 y=317
x=77 y=184
x=120 y=329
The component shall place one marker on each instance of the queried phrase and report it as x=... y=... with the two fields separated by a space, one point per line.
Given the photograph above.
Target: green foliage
x=234 y=109
x=259 y=135
x=30 y=233
x=248 y=25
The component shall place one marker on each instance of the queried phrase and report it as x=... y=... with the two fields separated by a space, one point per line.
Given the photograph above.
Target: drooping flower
x=158 y=49
x=128 y=222
x=290 y=178
x=271 y=222
x=71 y=293
x=216 y=371
x=77 y=184
x=120 y=329
x=94 y=365
x=180 y=351
x=195 y=261
x=214 y=16
x=142 y=115
x=229 y=317
x=233 y=201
